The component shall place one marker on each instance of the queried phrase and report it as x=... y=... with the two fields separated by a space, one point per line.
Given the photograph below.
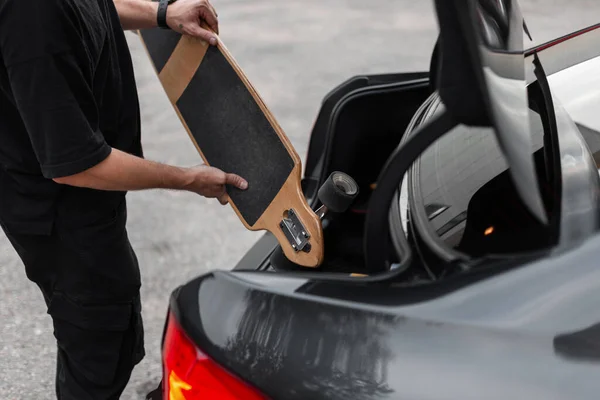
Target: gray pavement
x=294 y=52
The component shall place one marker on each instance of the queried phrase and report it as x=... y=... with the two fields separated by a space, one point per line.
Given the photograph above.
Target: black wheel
x=338 y=192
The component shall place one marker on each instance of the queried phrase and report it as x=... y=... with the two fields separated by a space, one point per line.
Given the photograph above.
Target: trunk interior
x=358 y=126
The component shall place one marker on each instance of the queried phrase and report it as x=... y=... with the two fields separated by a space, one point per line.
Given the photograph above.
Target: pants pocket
x=95 y=339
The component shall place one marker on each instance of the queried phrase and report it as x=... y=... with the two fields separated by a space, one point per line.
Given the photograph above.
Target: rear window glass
x=465 y=194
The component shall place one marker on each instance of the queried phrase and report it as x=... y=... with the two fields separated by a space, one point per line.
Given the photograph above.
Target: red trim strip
x=565 y=38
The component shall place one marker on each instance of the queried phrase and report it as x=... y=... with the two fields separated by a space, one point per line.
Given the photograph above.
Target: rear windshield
x=463 y=189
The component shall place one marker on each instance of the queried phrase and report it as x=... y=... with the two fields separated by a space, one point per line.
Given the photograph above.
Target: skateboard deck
x=233 y=130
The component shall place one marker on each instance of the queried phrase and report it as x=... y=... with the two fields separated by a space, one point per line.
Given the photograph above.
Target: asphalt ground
x=294 y=52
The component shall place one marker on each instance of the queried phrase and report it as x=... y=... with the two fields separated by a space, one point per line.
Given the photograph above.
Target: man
x=69 y=151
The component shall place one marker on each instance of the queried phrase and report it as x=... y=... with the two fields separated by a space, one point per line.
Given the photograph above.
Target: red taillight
x=189 y=374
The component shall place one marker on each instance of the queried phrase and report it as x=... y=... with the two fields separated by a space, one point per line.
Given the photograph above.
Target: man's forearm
x=125 y=172
x=137 y=14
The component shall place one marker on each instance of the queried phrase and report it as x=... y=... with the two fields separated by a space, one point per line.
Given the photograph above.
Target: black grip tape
x=234 y=134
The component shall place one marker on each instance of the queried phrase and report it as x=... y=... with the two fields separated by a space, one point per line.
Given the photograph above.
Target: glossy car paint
x=580 y=183
x=566 y=52
x=502 y=66
x=529 y=333
x=576 y=94
x=526 y=331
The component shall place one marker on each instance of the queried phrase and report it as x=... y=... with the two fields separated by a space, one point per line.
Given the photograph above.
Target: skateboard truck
x=295 y=232
x=336 y=194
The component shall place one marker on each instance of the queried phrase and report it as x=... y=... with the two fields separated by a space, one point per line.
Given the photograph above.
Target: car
x=466 y=268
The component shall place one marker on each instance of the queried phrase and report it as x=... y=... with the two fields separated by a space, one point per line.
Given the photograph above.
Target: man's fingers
x=204 y=34
x=224 y=199
x=209 y=15
x=216 y=26
x=237 y=181
x=212 y=8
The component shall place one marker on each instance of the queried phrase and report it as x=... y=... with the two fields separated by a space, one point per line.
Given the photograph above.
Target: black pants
x=89 y=277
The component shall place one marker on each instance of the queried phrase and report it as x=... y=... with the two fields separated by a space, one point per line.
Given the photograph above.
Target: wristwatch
x=161 y=15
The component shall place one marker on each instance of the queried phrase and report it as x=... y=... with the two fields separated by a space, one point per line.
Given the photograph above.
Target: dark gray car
x=468 y=265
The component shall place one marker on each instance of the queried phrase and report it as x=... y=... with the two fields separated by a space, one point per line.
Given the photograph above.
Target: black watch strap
x=161 y=15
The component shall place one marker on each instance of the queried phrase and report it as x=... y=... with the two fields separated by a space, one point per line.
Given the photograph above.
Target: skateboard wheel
x=338 y=192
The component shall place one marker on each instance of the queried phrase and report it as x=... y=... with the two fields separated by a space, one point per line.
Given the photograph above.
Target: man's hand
x=210 y=182
x=187 y=16
x=191 y=17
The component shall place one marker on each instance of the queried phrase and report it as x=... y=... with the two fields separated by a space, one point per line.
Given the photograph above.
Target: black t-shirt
x=67 y=95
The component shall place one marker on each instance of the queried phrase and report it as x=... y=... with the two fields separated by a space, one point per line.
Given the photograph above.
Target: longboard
x=233 y=130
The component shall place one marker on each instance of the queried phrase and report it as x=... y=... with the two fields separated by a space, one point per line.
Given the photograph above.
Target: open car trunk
x=359 y=124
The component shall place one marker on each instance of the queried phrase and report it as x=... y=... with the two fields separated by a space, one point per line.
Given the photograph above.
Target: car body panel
x=578 y=90
x=580 y=183
x=529 y=332
x=504 y=73
x=566 y=52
